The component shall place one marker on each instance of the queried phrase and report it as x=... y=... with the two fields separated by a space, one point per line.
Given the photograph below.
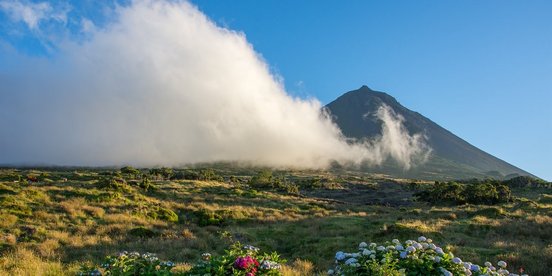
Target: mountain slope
x=452 y=157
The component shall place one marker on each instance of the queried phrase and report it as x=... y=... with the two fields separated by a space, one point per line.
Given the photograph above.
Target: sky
x=481 y=69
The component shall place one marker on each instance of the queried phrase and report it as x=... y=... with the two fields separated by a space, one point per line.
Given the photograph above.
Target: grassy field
x=52 y=222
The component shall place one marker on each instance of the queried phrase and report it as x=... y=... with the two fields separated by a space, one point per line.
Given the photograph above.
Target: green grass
x=56 y=226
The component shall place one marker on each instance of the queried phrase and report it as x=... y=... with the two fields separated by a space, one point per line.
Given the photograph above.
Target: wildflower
x=363 y=245
x=250 y=248
x=502 y=264
x=340 y=256
x=267 y=265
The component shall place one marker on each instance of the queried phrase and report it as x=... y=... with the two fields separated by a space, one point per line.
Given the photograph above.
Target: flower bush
x=239 y=260
x=421 y=257
x=132 y=263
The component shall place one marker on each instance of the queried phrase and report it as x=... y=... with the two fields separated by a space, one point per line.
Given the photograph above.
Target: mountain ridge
x=452 y=157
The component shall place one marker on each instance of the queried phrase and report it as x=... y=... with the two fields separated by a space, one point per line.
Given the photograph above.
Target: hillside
x=452 y=157
x=53 y=222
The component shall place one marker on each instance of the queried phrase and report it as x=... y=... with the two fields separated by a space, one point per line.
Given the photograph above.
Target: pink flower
x=247 y=263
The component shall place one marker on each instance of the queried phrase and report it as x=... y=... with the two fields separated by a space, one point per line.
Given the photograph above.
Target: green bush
x=133 y=263
x=265 y=180
x=421 y=257
x=208 y=217
x=113 y=184
x=459 y=193
x=142 y=232
x=239 y=260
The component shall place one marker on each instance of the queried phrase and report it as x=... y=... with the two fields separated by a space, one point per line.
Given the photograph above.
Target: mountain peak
x=366 y=94
x=452 y=156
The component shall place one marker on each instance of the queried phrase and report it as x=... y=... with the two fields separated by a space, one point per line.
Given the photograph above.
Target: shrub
x=239 y=260
x=421 y=257
x=265 y=180
x=142 y=232
x=132 y=263
x=208 y=217
x=459 y=193
x=160 y=213
x=114 y=184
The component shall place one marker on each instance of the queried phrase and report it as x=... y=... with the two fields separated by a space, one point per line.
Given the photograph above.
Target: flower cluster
x=239 y=260
x=420 y=257
x=247 y=263
x=133 y=263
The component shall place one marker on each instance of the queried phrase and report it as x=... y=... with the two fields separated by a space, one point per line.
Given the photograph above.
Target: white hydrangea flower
x=399 y=247
x=331 y=272
x=411 y=249
x=372 y=245
x=395 y=241
x=366 y=252
x=488 y=264
x=381 y=248
x=432 y=246
x=429 y=240
x=372 y=256
x=362 y=245
x=502 y=264
x=390 y=247
x=422 y=239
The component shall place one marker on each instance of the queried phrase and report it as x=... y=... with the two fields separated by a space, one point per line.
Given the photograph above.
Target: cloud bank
x=164 y=85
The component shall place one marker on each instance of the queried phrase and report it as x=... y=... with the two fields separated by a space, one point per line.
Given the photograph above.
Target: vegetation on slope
x=55 y=221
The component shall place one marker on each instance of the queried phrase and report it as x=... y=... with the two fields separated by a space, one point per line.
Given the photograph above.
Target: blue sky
x=481 y=69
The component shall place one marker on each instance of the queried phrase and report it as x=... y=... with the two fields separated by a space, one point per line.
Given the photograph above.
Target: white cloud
x=33 y=13
x=163 y=85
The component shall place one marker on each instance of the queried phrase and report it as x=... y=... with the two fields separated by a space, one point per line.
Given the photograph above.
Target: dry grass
x=51 y=228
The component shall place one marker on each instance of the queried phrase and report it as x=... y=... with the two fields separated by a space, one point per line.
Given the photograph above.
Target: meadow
x=57 y=221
